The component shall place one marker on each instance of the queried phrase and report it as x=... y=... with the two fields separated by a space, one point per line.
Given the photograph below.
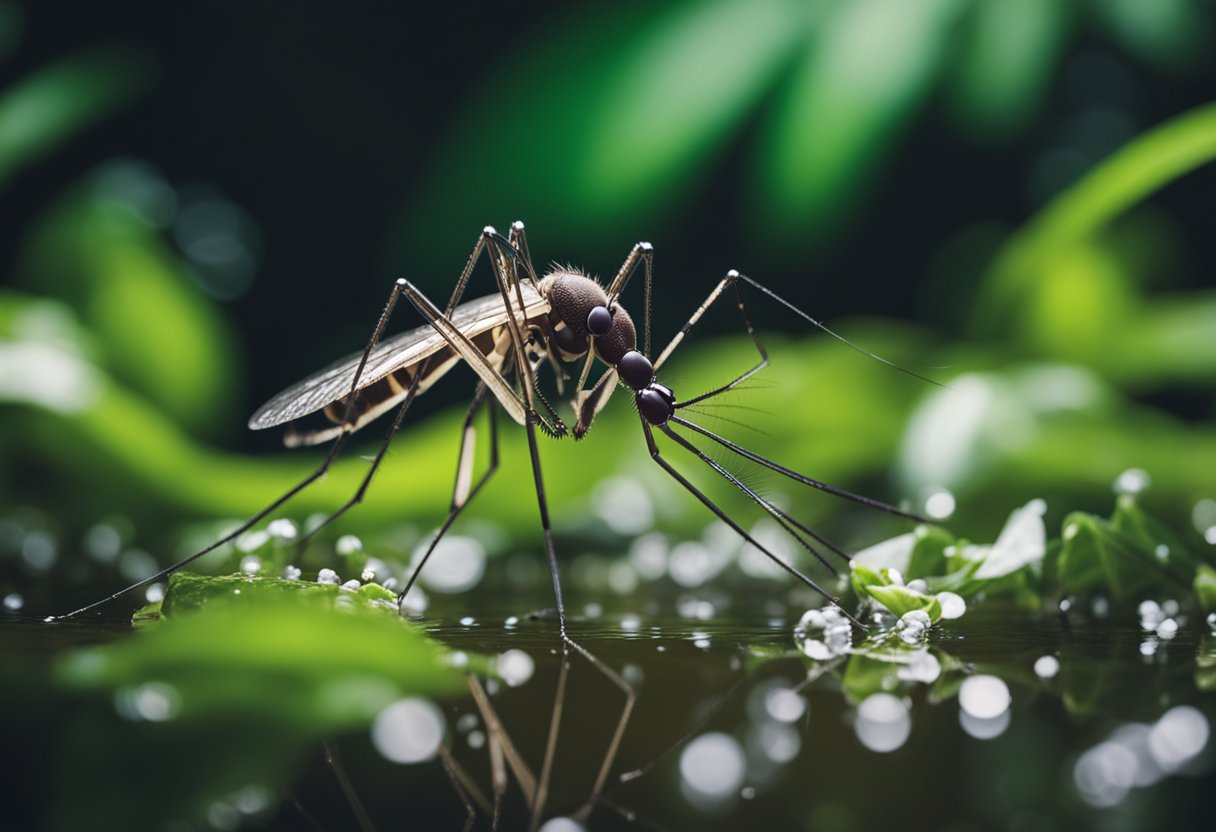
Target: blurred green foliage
x=269 y=666
x=120 y=378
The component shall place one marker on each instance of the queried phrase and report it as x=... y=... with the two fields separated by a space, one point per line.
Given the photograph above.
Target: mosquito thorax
x=579 y=310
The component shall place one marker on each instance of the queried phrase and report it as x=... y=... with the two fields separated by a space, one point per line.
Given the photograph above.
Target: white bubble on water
x=1179 y=736
x=562 y=825
x=1046 y=667
x=457 y=564
x=13 y=602
x=940 y=504
x=953 y=605
x=515 y=667
x=984 y=696
x=713 y=766
x=623 y=504
x=883 y=722
x=1132 y=481
x=784 y=705
x=984 y=729
x=408 y=730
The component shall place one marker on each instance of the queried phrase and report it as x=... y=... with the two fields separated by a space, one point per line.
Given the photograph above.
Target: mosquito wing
x=334 y=382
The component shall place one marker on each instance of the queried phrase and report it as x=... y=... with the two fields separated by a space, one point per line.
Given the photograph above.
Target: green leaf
x=158 y=332
x=1096 y=555
x=901 y=600
x=929 y=551
x=1006 y=64
x=44 y=110
x=861 y=577
x=869 y=68
x=1136 y=171
x=271 y=671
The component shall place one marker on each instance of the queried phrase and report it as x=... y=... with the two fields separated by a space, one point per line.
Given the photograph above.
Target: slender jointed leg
x=657 y=456
x=465 y=489
x=570 y=644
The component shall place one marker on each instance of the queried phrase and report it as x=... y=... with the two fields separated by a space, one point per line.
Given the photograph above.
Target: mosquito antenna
x=824 y=327
x=802 y=478
x=710 y=415
x=657 y=456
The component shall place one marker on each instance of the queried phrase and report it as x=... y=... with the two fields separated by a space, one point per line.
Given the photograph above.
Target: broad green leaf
x=1153 y=537
x=602 y=119
x=1097 y=556
x=271 y=672
x=1132 y=174
x=1008 y=57
x=929 y=552
x=44 y=110
x=861 y=80
x=1022 y=542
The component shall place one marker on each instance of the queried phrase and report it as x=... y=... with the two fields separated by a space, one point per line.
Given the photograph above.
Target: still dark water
x=735 y=729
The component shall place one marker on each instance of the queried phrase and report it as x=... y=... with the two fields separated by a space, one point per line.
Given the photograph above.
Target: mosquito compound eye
x=599 y=321
x=656 y=404
x=636 y=369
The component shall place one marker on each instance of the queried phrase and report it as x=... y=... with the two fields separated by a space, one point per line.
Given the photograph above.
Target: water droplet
x=1132 y=481
x=150 y=702
x=351 y=586
x=713 y=766
x=408 y=731
x=1180 y=735
x=328 y=576
x=1167 y=629
x=624 y=506
x=984 y=696
x=468 y=621
x=476 y=739
x=562 y=825
x=347 y=545
x=282 y=529
x=39 y=551
x=102 y=543
x=953 y=605
x=457 y=564
x=940 y=505
x=251 y=564
x=783 y=705
x=515 y=667
x=13 y=602
x=883 y=722
x=1046 y=667
x=292 y=573
x=155 y=593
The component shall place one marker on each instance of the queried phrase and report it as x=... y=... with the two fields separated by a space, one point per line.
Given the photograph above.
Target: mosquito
x=507 y=338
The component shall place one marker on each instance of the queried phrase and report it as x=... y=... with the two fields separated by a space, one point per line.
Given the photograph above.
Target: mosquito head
x=580 y=309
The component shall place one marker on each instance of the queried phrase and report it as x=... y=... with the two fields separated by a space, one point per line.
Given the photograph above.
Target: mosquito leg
x=348 y=789
x=466 y=789
x=465 y=489
x=777 y=514
x=499 y=738
x=657 y=456
x=571 y=644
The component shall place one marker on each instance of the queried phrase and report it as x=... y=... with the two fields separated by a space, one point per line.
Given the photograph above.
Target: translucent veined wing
x=333 y=383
